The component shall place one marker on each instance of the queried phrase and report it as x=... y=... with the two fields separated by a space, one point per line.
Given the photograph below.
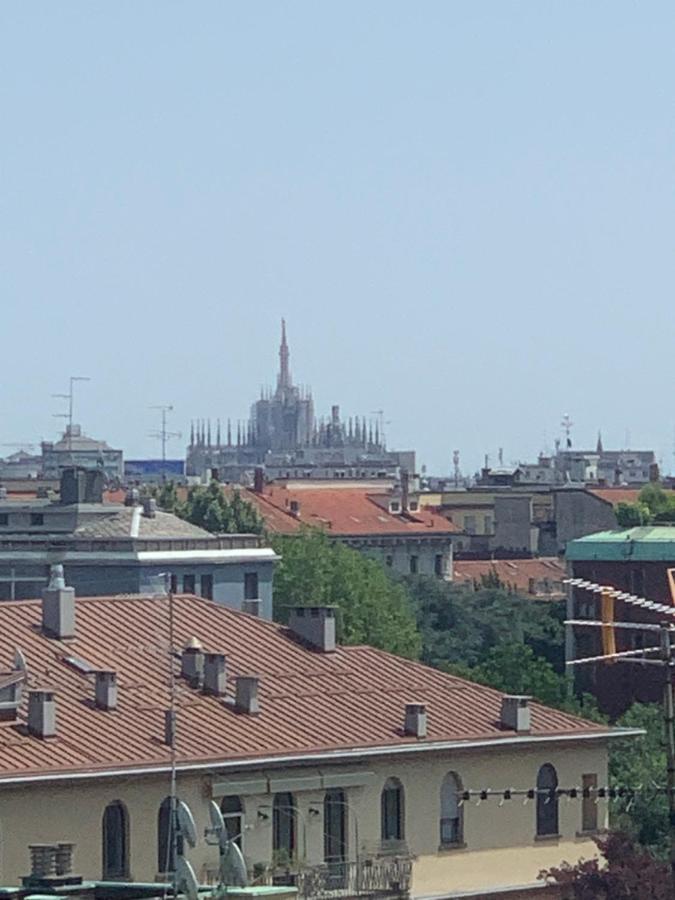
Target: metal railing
x=389 y=877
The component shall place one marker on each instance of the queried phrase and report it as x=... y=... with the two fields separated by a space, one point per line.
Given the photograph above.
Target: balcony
x=388 y=877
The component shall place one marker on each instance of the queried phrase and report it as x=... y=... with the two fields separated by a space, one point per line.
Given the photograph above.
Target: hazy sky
x=464 y=210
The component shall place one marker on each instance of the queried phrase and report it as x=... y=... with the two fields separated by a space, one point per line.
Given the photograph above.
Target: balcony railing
x=388 y=877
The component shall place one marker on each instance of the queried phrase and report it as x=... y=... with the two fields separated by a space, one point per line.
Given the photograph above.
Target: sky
x=464 y=210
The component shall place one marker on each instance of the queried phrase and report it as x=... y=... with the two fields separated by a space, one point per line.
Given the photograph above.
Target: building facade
x=77 y=449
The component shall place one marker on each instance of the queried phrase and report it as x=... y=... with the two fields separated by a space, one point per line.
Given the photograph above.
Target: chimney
x=415 y=720
x=93 y=486
x=169 y=727
x=515 y=715
x=295 y=508
x=258 y=479
x=73 y=485
x=192 y=663
x=252 y=606
x=315 y=625
x=215 y=674
x=42 y=713
x=132 y=497
x=405 y=490
x=58 y=606
x=49 y=862
x=149 y=507
x=246 y=694
x=106 y=690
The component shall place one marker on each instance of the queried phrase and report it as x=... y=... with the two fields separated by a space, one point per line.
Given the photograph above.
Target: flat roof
x=646 y=543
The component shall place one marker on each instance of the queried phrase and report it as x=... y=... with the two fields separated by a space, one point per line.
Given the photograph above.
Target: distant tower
x=455 y=466
x=284 y=378
x=567 y=428
x=598 y=446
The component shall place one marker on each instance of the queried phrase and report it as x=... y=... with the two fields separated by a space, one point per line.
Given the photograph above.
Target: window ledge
x=543 y=838
x=450 y=848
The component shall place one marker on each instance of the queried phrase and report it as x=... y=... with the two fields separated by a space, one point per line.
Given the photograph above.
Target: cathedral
x=283 y=436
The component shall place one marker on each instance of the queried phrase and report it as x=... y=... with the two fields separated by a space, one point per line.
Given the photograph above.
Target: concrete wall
x=513 y=528
x=397 y=554
x=578 y=513
x=500 y=845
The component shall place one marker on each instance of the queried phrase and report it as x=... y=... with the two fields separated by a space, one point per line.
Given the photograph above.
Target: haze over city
x=464 y=214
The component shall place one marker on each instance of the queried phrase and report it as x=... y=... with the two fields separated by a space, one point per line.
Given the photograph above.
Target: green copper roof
x=648 y=543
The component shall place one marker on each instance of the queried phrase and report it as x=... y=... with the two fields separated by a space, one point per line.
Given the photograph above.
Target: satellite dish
x=214 y=834
x=186 y=823
x=186 y=880
x=232 y=866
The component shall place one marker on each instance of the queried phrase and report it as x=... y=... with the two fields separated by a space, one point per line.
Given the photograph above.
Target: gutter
x=325 y=757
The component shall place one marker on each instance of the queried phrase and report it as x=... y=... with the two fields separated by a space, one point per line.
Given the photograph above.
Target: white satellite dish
x=186 y=823
x=232 y=866
x=214 y=834
x=186 y=880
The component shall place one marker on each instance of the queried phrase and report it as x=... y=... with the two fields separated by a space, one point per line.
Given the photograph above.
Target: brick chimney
x=42 y=713
x=58 y=606
x=315 y=625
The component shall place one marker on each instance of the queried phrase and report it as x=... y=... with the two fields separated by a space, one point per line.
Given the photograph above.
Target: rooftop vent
x=246 y=694
x=215 y=674
x=150 y=507
x=415 y=722
x=106 y=690
x=58 y=606
x=315 y=625
x=192 y=662
x=52 y=863
x=515 y=713
x=42 y=713
x=252 y=606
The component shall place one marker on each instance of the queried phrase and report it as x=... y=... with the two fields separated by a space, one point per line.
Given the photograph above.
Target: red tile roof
x=617 y=494
x=517 y=574
x=311 y=702
x=343 y=511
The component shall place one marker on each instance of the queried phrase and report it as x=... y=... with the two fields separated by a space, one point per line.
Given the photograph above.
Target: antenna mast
x=70 y=398
x=567 y=424
x=164 y=435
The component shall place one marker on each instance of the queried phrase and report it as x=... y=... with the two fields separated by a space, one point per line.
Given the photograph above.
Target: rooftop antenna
x=163 y=435
x=567 y=424
x=500 y=457
x=70 y=398
x=380 y=424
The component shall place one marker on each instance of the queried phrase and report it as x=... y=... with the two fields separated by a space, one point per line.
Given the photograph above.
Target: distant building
x=540 y=578
x=152 y=471
x=77 y=449
x=21 y=465
x=125 y=549
x=283 y=435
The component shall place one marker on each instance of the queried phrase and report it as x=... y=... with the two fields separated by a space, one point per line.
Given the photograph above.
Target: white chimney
x=215 y=675
x=106 y=690
x=315 y=625
x=42 y=713
x=246 y=694
x=415 y=720
x=515 y=713
x=252 y=606
x=192 y=662
x=149 y=507
x=58 y=606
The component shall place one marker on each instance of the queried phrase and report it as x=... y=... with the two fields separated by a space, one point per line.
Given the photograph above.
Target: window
x=589 y=808
x=452 y=831
x=470 y=524
x=438 y=564
x=283 y=828
x=335 y=835
x=4 y=519
x=189 y=584
x=233 y=813
x=413 y=506
x=394 y=506
x=414 y=561
x=206 y=587
x=115 y=841
x=547 y=801
x=37 y=519
x=166 y=861
x=251 y=586
x=173 y=584
x=392 y=811
x=487 y=525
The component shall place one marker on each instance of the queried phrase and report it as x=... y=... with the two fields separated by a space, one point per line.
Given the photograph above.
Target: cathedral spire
x=598 y=446
x=284 y=378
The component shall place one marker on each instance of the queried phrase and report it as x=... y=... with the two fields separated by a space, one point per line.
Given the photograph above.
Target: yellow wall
x=500 y=841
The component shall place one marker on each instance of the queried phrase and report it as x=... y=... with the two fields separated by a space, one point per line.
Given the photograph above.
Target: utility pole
x=669 y=727
x=163 y=435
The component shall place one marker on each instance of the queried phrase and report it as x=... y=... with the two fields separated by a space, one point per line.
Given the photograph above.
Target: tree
x=209 y=508
x=641 y=762
x=372 y=608
x=628 y=873
x=654 y=505
x=632 y=515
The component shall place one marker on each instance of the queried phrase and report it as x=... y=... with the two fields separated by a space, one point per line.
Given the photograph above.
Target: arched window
x=283 y=827
x=166 y=861
x=233 y=812
x=115 y=841
x=452 y=824
x=392 y=811
x=547 y=801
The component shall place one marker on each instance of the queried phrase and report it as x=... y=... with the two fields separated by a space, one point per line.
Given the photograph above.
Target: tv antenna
x=163 y=434
x=567 y=424
x=70 y=397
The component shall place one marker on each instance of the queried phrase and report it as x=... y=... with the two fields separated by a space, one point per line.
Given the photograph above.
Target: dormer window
x=394 y=506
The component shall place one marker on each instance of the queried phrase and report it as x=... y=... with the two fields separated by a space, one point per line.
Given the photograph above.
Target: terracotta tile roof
x=518 y=574
x=310 y=702
x=343 y=511
x=617 y=494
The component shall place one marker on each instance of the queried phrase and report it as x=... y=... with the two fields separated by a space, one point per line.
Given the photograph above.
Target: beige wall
x=500 y=841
